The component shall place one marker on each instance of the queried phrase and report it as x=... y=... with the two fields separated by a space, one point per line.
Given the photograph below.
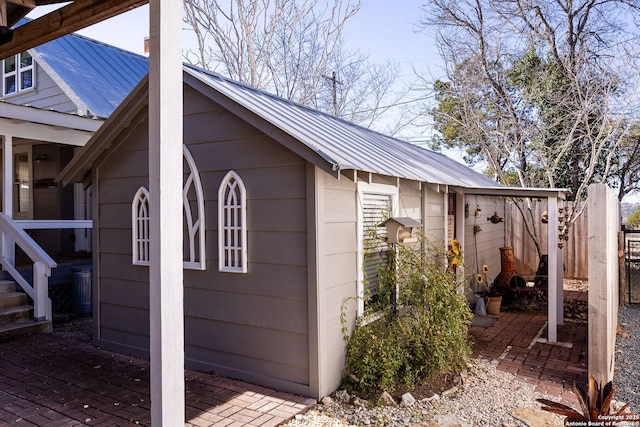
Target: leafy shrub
x=415 y=334
x=633 y=222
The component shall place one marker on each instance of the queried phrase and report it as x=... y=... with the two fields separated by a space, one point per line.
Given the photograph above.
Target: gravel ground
x=627 y=375
x=488 y=397
x=79 y=328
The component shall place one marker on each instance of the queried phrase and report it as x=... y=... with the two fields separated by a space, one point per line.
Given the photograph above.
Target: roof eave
x=542 y=193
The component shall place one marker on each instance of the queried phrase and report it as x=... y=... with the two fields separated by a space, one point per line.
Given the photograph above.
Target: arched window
x=193 y=201
x=194 y=235
x=140 y=227
x=232 y=225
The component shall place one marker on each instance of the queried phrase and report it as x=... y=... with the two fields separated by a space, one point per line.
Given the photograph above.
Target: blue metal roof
x=344 y=145
x=100 y=75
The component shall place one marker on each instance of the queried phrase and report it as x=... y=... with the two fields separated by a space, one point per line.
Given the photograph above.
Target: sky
x=381 y=29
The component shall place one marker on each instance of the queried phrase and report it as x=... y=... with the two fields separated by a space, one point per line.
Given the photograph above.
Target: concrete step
x=12 y=299
x=28 y=327
x=15 y=314
x=7 y=286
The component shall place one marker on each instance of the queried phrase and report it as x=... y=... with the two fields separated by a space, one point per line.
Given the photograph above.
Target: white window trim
x=196 y=244
x=222 y=249
x=367 y=188
x=196 y=260
x=140 y=200
x=18 y=74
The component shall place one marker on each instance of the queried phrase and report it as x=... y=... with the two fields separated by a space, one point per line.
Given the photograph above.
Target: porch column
x=552 y=275
x=8 y=248
x=165 y=185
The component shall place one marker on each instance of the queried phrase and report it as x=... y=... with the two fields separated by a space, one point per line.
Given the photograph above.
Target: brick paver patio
x=46 y=380
x=517 y=343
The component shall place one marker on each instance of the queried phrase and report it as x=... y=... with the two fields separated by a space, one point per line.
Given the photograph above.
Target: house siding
x=250 y=326
x=339 y=237
x=46 y=95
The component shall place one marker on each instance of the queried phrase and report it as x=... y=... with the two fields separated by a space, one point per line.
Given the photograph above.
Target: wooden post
x=165 y=185
x=552 y=273
x=603 y=229
x=623 y=290
x=8 y=246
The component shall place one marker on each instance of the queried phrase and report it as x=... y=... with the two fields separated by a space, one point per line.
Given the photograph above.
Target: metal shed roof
x=344 y=145
x=100 y=75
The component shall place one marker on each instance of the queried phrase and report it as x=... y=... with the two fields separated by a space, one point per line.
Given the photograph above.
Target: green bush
x=420 y=336
x=633 y=222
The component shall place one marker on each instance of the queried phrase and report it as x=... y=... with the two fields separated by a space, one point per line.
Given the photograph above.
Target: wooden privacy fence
x=574 y=252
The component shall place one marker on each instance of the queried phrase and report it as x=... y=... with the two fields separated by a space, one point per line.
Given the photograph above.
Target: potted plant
x=492 y=297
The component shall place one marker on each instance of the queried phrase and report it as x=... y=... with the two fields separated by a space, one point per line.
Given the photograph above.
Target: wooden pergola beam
x=3 y=13
x=26 y=3
x=73 y=17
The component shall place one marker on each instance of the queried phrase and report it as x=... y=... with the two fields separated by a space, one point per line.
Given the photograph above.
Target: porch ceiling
x=44 y=125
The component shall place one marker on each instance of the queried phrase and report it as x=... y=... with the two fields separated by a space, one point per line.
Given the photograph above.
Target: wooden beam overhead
x=73 y=17
x=26 y=3
x=3 y=13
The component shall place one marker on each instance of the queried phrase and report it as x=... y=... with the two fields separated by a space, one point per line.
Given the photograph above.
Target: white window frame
x=196 y=250
x=140 y=232
x=363 y=189
x=195 y=244
x=17 y=74
x=232 y=206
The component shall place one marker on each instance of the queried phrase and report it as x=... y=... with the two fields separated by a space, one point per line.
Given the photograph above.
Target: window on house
x=194 y=234
x=17 y=73
x=377 y=203
x=232 y=228
x=140 y=229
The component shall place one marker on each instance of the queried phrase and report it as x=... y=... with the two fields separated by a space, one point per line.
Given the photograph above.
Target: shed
x=277 y=198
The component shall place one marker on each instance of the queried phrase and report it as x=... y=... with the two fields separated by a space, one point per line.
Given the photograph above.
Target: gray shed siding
x=251 y=326
x=338 y=243
x=339 y=255
x=46 y=95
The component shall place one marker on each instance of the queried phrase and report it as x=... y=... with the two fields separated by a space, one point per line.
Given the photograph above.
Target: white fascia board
x=22 y=113
x=45 y=133
x=542 y=193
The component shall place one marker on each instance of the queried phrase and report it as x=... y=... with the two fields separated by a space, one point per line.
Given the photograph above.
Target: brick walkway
x=517 y=343
x=46 y=380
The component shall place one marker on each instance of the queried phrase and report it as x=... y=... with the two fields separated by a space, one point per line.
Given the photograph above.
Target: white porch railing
x=11 y=232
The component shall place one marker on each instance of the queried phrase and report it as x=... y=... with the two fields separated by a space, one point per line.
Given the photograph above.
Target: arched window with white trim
x=193 y=214
x=232 y=224
x=193 y=201
x=140 y=227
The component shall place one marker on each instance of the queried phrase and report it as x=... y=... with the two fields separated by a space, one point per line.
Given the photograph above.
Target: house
x=277 y=198
x=53 y=98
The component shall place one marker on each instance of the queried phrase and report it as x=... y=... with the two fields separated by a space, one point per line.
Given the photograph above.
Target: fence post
x=622 y=271
x=603 y=226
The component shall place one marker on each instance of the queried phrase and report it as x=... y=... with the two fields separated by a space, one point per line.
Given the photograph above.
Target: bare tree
x=543 y=91
x=291 y=48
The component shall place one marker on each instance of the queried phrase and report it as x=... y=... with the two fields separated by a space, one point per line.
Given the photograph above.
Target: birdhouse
x=399 y=229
